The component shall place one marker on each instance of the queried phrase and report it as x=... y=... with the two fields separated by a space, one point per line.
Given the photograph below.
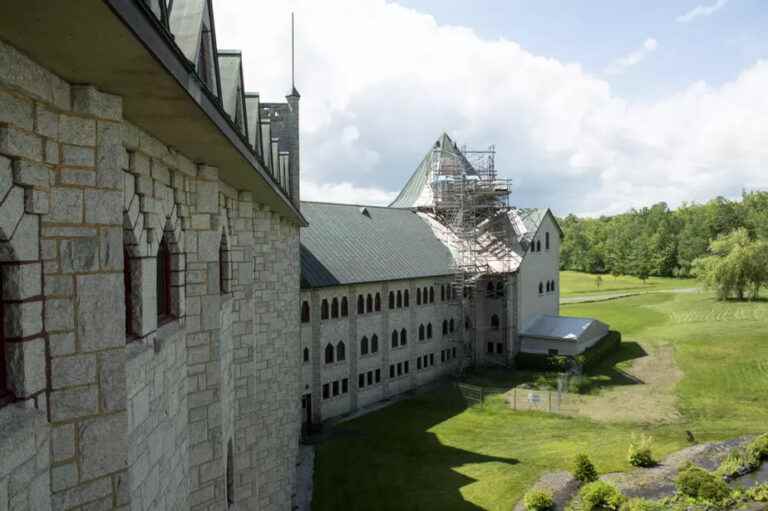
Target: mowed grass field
x=573 y=283
x=430 y=452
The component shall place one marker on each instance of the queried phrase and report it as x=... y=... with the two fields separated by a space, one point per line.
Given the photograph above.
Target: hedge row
x=561 y=363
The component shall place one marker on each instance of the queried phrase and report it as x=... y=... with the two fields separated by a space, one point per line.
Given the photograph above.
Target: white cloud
x=701 y=10
x=633 y=58
x=380 y=82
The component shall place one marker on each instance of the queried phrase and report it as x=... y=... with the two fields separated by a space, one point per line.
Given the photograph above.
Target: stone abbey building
x=149 y=260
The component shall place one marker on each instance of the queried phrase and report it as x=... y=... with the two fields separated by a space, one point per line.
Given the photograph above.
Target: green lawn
x=430 y=452
x=573 y=283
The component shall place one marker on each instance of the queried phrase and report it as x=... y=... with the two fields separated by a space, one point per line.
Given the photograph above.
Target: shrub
x=697 y=483
x=643 y=505
x=540 y=362
x=758 y=493
x=759 y=447
x=745 y=460
x=639 y=454
x=600 y=495
x=539 y=500
x=714 y=490
x=585 y=471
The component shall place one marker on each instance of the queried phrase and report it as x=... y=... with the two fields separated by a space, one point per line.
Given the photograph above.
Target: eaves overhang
x=121 y=48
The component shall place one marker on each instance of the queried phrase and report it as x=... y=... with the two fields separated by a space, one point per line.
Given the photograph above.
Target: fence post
x=550 y=401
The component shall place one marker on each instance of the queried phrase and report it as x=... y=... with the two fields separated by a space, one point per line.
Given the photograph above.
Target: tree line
x=659 y=241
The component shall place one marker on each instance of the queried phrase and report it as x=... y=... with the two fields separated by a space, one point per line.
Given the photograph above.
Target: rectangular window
x=336 y=388
x=499 y=348
x=378 y=375
x=406 y=367
x=326 y=391
x=399 y=368
x=392 y=371
x=453 y=353
x=442 y=355
x=418 y=363
x=370 y=377
x=490 y=347
x=431 y=359
x=553 y=352
x=344 y=386
x=360 y=380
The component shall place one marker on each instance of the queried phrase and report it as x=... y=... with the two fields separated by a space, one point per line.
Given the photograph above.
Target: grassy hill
x=573 y=283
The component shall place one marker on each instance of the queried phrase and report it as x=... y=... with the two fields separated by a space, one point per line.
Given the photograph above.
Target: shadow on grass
x=609 y=373
x=389 y=459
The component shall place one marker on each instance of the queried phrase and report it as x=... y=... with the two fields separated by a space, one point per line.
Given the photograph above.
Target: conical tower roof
x=417 y=192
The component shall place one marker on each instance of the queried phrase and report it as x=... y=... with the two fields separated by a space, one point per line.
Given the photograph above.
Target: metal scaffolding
x=470 y=198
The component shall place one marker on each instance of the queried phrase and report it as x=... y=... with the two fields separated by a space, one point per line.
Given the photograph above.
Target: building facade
x=149 y=264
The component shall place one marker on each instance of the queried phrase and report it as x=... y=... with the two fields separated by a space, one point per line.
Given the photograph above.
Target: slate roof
x=348 y=244
x=417 y=191
x=560 y=327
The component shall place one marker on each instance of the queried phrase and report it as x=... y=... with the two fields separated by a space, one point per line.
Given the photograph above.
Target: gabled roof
x=560 y=327
x=348 y=244
x=252 y=107
x=231 y=80
x=417 y=191
x=186 y=20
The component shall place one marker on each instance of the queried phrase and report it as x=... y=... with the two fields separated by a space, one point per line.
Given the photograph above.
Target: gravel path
x=603 y=297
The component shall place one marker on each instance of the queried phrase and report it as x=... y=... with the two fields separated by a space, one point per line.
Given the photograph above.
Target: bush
x=539 y=500
x=639 y=454
x=759 y=447
x=758 y=493
x=600 y=495
x=585 y=471
x=745 y=460
x=541 y=362
x=643 y=505
x=697 y=483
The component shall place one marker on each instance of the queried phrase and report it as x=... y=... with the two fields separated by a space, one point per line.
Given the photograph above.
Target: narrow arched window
x=335 y=308
x=406 y=299
x=394 y=338
x=341 y=354
x=391 y=300
x=329 y=354
x=445 y=327
x=304 y=312
x=553 y=285
x=467 y=323
x=421 y=332
x=538 y=245
x=369 y=304
x=223 y=266
x=164 y=311
x=306 y=355
x=324 y=309
x=377 y=302
x=431 y=294
x=424 y=296
x=230 y=474
x=452 y=327
x=500 y=289
x=374 y=343
x=494 y=322
x=442 y=292
x=360 y=304
x=403 y=337
x=429 y=330
x=541 y=288
x=128 y=306
x=418 y=296
x=364 y=346
x=546 y=240
x=344 y=307
x=399 y=299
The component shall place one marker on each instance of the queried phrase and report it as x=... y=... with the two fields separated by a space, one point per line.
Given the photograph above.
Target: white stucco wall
x=540 y=267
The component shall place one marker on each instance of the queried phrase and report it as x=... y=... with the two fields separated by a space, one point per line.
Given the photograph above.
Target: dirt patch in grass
x=651 y=400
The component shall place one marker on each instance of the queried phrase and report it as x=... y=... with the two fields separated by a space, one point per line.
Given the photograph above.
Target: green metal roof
x=348 y=244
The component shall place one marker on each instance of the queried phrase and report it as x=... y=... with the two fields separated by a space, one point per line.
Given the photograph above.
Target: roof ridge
x=354 y=204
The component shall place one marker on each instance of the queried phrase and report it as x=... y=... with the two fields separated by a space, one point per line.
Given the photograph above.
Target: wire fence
x=522 y=398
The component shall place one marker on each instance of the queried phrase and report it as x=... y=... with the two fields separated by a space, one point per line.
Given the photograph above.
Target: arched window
x=335 y=308
x=454 y=292
x=406 y=299
x=424 y=296
x=418 y=296
x=429 y=330
x=230 y=474
x=364 y=346
x=445 y=327
x=421 y=332
x=223 y=266
x=442 y=292
x=391 y=299
x=128 y=309
x=306 y=354
x=431 y=294
x=546 y=240
x=304 y=312
x=452 y=327
x=500 y=289
x=494 y=322
x=369 y=304
x=374 y=343
x=340 y=352
x=377 y=302
x=360 y=304
x=403 y=337
x=164 y=311
x=324 y=309
x=467 y=323
x=541 y=288
x=399 y=299
x=489 y=290
x=394 y=338
x=538 y=245
x=329 y=354
x=553 y=285
x=344 y=307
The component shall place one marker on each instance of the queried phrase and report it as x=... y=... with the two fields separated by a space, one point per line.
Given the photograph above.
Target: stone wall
x=103 y=419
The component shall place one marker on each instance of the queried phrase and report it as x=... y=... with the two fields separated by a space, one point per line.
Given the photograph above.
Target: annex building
x=448 y=276
x=149 y=264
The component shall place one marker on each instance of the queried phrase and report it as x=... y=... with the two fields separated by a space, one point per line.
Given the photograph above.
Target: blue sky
x=595 y=107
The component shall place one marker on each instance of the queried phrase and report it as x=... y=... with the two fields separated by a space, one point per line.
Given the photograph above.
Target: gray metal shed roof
x=348 y=244
x=559 y=327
